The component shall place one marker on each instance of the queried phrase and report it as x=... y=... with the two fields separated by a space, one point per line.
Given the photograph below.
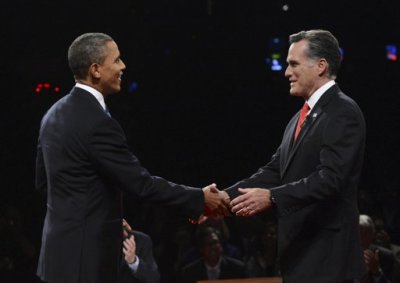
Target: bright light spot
x=391 y=52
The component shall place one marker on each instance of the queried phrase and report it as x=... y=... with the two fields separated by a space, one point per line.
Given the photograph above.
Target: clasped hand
x=251 y=201
x=218 y=203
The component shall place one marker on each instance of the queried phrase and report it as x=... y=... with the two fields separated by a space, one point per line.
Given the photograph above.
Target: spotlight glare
x=391 y=52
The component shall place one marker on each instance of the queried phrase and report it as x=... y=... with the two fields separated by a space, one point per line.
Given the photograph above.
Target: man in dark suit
x=212 y=264
x=84 y=163
x=139 y=265
x=311 y=181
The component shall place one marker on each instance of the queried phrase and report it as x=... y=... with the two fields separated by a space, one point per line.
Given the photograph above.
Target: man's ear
x=322 y=67
x=94 y=71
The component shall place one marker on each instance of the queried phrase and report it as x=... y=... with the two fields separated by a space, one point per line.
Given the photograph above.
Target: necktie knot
x=304 y=110
x=303 y=114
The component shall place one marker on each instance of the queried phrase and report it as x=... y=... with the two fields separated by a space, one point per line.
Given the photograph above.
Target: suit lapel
x=291 y=147
x=287 y=142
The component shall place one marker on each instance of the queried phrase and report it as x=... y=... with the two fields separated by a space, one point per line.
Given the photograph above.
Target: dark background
x=207 y=108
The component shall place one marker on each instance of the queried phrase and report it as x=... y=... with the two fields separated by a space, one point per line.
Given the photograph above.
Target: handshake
x=217 y=203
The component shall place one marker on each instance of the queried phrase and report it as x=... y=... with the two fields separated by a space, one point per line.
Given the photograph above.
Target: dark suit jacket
x=147 y=271
x=230 y=269
x=84 y=162
x=314 y=183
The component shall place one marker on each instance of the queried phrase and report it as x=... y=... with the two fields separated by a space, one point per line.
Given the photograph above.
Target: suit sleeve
x=266 y=177
x=40 y=174
x=109 y=151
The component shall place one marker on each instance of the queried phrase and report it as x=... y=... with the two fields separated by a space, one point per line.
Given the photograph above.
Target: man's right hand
x=216 y=201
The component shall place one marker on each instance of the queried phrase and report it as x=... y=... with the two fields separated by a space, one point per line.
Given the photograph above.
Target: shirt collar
x=216 y=267
x=94 y=92
x=313 y=99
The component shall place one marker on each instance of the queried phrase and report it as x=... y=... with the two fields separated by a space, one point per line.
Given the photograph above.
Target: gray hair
x=85 y=50
x=321 y=44
x=367 y=223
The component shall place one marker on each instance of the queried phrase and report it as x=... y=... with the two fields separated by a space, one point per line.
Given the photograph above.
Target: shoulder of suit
x=142 y=236
x=232 y=260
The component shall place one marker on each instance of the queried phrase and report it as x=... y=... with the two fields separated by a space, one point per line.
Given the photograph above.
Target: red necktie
x=303 y=115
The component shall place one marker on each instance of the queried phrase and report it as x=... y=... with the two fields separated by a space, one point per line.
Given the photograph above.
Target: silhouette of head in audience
x=210 y=246
x=367 y=231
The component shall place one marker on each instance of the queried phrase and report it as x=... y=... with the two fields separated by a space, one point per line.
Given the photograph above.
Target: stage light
x=276 y=64
x=47 y=88
x=391 y=52
x=133 y=86
x=275 y=60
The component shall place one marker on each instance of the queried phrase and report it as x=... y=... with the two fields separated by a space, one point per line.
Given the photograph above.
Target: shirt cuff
x=134 y=265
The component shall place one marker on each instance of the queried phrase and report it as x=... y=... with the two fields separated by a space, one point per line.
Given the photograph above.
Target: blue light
x=133 y=86
x=276 y=40
x=391 y=52
x=274 y=59
x=276 y=65
x=274 y=62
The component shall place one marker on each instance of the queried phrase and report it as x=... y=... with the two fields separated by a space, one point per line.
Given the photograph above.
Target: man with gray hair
x=381 y=263
x=312 y=178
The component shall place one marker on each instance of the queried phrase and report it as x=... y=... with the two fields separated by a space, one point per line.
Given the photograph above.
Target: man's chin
x=116 y=90
x=294 y=93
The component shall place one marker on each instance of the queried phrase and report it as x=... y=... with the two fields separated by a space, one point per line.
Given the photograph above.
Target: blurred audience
x=212 y=264
x=382 y=265
x=139 y=265
x=383 y=238
x=17 y=252
x=261 y=260
x=192 y=252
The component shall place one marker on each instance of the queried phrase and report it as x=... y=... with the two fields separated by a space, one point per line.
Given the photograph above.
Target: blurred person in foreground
x=382 y=265
x=139 y=265
x=212 y=264
x=84 y=164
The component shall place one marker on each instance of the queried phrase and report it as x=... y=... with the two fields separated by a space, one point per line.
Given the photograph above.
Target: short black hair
x=85 y=50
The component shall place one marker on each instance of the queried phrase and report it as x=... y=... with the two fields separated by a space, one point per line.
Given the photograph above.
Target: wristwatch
x=272 y=199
